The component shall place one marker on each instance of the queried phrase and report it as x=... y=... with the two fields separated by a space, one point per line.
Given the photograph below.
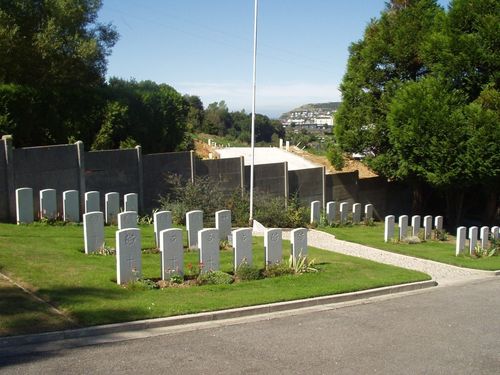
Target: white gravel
x=444 y=274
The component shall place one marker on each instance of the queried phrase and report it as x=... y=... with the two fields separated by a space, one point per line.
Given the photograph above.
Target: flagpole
x=253 y=110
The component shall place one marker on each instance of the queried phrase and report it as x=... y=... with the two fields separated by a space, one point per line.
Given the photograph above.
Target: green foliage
x=440 y=235
x=246 y=272
x=335 y=157
x=301 y=264
x=141 y=285
x=215 y=278
x=116 y=121
x=277 y=270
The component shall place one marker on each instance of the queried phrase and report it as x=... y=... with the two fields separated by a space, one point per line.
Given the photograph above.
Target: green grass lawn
x=443 y=252
x=49 y=260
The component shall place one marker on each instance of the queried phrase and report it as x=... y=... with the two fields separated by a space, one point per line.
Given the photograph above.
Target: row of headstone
x=331 y=212
x=194 y=224
x=71 y=205
x=128 y=251
x=389 y=225
x=484 y=234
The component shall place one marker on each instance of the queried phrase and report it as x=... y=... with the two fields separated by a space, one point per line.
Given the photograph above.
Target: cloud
x=271 y=99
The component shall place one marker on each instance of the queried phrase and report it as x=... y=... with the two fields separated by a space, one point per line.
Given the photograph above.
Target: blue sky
x=204 y=47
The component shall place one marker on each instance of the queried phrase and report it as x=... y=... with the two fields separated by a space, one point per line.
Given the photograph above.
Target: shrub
x=440 y=235
x=247 y=272
x=141 y=284
x=335 y=157
x=412 y=240
x=301 y=264
x=277 y=269
x=215 y=278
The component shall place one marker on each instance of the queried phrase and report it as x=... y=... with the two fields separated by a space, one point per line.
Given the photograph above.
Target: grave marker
x=71 y=206
x=331 y=212
x=389 y=228
x=495 y=232
x=172 y=253
x=415 y=225
x=369 y=212
x=93 y=231
x=161 y=220
x=343 y=212
x=208 y=241
x=356 y=213
x=273 y=246
x=128 y=255
x=92 y=201
x=438 y=223
x=427 y=227
x=403 y=227
x=223 y=223
x=315 y=213
x=24 y=206
x=112 y=207
x=298 y=240
x=460 y=244
x=130 y=202
x=127 y=220
x=242 y=244
x=194 y=223
x=48 y=204
x=484 y=235
x=473 y=231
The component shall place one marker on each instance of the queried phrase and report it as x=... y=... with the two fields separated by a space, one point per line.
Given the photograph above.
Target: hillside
x=313 y=107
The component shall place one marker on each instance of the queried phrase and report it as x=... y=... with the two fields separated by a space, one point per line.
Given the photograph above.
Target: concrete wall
x=113 y=170
x=307 y=184
x=268 y=178
x=49 y=167
x=342 y=187
x=227 y=172
x=156 y=168
x=4 y=187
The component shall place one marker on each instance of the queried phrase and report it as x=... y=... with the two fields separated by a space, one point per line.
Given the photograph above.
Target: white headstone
x=48 y=204
x=281 y=143
x=112 y=207
x=194 y=223
x=287 y=145
x=331 y=212
x=24 y=206
x=298 y=240
x=223 y=223
x=438 y=223
x=130 y=202
x=128 y=255
x=172 y=252
x=161 y=220
x=484 y=236
x=92 y=201
x=127 y=220
x=93 y=231
x=495 y=232
x=368 y=212
x=208 y=241
x=71 y=206
x=273 y=246
x=403 y=227
x=460 y=244
x=344 y=206
x=473 y=231
x=356 y=213
x=209 y=142
x=427 y=227
x=242 y=244
x=315 y=213
x=415 y=225
x=389 y=228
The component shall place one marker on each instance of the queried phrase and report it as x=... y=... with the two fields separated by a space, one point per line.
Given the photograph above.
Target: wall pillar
x=192 y=158
x=323 y=184
x=286 y=182
x=242 y=175
x=9 y=169
x=140 y=176
x=80 y=151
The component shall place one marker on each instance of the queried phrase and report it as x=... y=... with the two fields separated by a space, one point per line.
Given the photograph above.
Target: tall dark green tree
x=53 y=55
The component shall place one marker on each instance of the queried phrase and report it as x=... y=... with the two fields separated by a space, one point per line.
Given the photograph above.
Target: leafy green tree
x=195 y=114
x=112 y=132
x=217 y=119
x=53 y=55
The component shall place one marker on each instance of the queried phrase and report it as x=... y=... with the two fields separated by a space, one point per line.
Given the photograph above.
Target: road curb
x=18 y=341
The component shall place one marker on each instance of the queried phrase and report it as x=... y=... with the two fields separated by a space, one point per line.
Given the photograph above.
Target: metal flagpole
x=253 y=109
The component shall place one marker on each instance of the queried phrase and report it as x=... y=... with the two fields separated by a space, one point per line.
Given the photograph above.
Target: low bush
x=245 y=272
x=215 y=278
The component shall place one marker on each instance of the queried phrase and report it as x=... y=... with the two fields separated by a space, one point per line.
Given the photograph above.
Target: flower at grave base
x=189 y=266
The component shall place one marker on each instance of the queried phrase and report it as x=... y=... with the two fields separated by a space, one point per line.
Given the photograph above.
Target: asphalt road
x=445 y=330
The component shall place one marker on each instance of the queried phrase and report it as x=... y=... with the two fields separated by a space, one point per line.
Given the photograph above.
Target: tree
x=112 y=132
x=53 y=55
x=195 y=114
x=217 y=119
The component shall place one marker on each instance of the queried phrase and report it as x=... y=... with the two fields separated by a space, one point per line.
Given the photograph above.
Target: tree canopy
x=420 y=96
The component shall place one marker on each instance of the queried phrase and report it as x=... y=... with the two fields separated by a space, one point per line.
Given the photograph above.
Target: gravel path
x=444 y=274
